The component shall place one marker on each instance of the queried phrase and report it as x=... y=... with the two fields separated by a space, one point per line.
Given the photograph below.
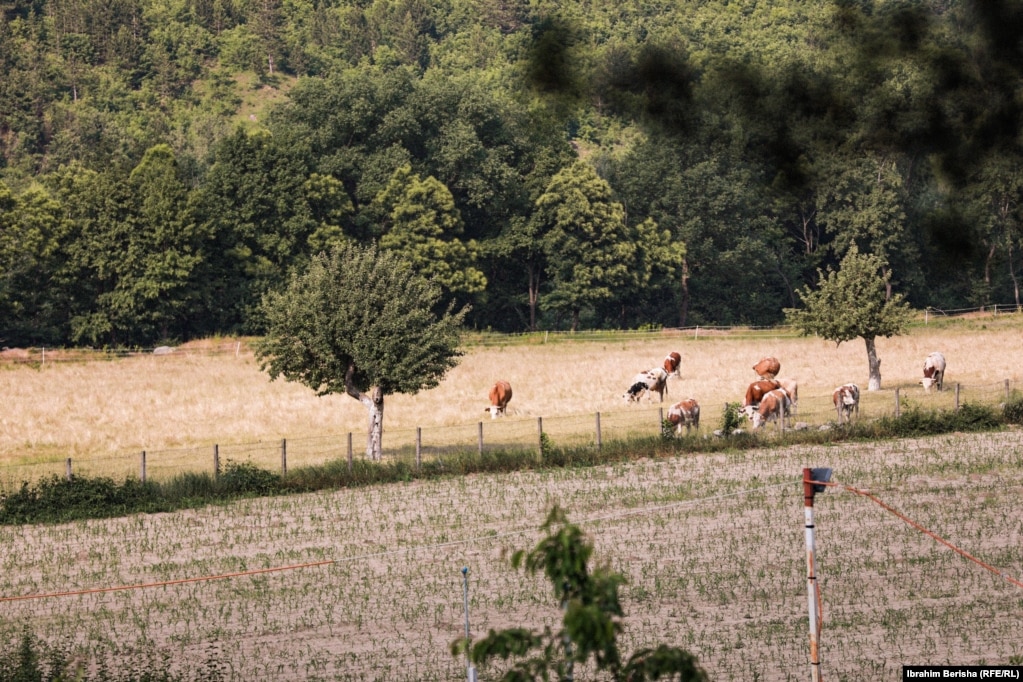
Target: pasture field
x=712 y=546
x=176 y=407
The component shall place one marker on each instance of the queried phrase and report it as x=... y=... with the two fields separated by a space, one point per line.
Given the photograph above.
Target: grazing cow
x=500 y=394
x=847 y=400
x=755 y=393
x=767 y=368
x=934 y=371
x=655 y=379
x=672 y=362
x=684 y=413
x=791 y=387
x=774 y=405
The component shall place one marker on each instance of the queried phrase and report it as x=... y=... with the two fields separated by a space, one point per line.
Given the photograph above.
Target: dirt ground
x=712 y=545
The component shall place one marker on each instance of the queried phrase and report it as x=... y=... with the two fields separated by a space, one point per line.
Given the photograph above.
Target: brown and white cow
x=672 y=362
x=652 y=380
x=773 y=406
x=847 y=400
x=934 y=371
x=685 y=413
x=755 y=393
x=500 y=394
x=767 y=368
x=791 y=387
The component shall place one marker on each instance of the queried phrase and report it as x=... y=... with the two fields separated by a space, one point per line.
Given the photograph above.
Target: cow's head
x=495 y=411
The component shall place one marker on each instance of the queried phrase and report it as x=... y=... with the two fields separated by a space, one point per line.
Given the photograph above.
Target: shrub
x=1013 y=410
x=731 y=418
x=245 y=478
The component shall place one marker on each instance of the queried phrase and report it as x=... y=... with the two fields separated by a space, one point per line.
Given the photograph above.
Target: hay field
x=103 y=413
x=712 y=546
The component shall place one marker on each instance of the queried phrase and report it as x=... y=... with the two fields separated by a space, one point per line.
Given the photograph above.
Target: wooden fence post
x=660 y=419
x=479 y=437
x=284 y=456
x=598 y=432
x=896 y=403
x=216 y=462
x=1006 y=390
x=142 y=466
x=67 y=468
x=349 y=452
x=539 y=436
x=957 y=396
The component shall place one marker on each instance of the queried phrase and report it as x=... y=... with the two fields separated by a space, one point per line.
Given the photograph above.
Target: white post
x=470 y=669
x=811 y=578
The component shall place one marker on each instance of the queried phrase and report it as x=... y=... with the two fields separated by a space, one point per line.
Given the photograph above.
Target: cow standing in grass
x=773 y=406
x=755 y=392
x=934 y=371
x=847 y=400
x=652 y=380
x=684 y=413
x=500 y=394
x=767 y=368
x=672 y=362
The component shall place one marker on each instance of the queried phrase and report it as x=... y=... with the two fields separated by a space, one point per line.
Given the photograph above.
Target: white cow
x=652 y=380
x=934 y=371
x=847 y=400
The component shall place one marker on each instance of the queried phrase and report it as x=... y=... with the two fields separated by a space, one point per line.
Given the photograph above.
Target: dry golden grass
x=101 y=409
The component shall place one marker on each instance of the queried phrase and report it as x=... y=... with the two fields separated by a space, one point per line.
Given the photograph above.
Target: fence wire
x=502 y=434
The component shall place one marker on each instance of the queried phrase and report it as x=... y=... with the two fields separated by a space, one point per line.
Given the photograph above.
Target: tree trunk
x=683 y=311
x=374 y=402
x=534 y=295
x=575 y=320
x=874 y=383
x=375 y=437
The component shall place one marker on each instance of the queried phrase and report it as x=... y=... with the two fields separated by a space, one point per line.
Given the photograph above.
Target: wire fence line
x=435 y=443
x=235 y=347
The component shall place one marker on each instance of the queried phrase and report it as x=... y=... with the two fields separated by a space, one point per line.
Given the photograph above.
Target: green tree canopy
x=851 y=302
x=589 y=250
x=360 y=321
x=422 y=222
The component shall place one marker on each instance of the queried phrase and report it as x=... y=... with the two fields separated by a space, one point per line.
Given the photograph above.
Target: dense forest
x=570 y=164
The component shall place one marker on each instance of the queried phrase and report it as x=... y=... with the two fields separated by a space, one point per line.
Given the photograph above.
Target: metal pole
x=896 y=403
x=957 y=397
x=419 y=448
x=349 y=452
x=539 y=436
x=216 y=462
x=284 y=456
x=598 y=429
x=142 y=466
x=470 y=669
x=479 y=437
x=811 y=578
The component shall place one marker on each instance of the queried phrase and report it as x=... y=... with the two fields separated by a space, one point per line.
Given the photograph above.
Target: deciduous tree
x=852 y=302
x=360 y=321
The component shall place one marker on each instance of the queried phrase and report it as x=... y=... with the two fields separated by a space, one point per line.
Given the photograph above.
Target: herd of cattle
x=769 y=398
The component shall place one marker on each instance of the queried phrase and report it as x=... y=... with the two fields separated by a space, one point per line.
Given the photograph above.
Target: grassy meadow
x=370 y=586
x=176 y=407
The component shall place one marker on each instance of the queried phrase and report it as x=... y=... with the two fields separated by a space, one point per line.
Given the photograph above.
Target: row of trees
x=554 y=168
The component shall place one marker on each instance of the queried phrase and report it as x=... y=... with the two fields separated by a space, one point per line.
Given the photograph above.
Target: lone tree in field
x=590 y=626
x=360 y=321
x=852 y=303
